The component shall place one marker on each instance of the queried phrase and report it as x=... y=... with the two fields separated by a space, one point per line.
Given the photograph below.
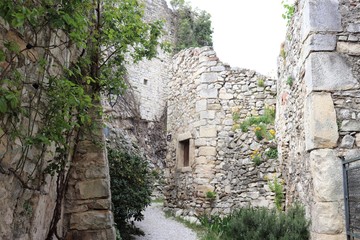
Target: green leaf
x=2 y=56
x=3 y=105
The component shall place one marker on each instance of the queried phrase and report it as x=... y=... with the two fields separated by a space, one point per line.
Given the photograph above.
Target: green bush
x=259 y=224
x=131 y=188
x=271 y=153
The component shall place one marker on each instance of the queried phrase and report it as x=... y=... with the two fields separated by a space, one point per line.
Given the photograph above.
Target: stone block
x=353 y=28
x=98 y=188
x=201 y=105
x=326 y=172
x=208 y=77
x=327 y=236
x=207 y=114
x=350 y=126
x=347 y=142
x=318 y=42
x=200 y=142
x=91 y=220
x=326 y=71
x=226 y=96
x=207 y=151
x=320 y=16
x=321 y=130
x=327 y=218
x=357 y=139
x=208 y=93
x=217 y=69
x=206 y=132
x=349 y=48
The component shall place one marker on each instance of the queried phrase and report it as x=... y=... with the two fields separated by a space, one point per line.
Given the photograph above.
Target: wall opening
x=145 y=81
x=185 y=152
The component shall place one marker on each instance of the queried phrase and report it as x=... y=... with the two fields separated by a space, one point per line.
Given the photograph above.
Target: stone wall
x=30 y=193
x=204 y=97
x=317 y=113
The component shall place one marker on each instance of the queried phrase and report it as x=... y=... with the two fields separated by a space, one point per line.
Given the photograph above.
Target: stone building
x=207 y=152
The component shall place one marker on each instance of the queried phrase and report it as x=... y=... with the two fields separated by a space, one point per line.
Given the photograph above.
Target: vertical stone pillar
x=87 y=207
x=322 y=72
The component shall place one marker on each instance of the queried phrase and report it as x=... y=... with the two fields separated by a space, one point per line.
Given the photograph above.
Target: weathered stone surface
x=208 y=132
x=207 y=151
x=319 y=42
x=350 y=125
x=320 y=16
x=327 y=218
x=353 y=28
x=320 y=125
x=91 y=220
x=208 y=77
x=201 y=105
x=208 y=93
x=92 y=235
x=347 y=142
x=93 y=189
x=328 y=72
x=327 y=236
x=357 y=139
x=326 y=171
x=348 y=48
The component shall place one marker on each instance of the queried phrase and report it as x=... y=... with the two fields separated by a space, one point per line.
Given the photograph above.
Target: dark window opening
x=185 y=148
x=145 y=81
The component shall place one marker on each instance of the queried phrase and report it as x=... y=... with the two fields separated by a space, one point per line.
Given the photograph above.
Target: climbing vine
x=56 y=59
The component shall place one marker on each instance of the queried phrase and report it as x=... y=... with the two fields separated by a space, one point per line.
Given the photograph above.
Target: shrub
x=131 y=188
x=271 y=153
x=259 y=224
x=260 y=82
x=276 y=187
x=211 y=195
x=290 y=81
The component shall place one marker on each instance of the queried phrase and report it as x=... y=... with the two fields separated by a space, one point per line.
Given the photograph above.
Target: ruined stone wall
x=317 y=113
x=204 y=96
x=31 y=194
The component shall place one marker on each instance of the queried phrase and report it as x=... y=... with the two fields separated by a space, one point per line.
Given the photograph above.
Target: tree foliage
x=193 y=27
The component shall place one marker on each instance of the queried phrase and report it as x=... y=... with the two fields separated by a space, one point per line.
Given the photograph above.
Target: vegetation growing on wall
x=289 y=10
x=193 y=27
x=49 y=108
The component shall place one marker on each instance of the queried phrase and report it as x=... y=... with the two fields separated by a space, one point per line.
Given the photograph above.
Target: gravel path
x=157 y=227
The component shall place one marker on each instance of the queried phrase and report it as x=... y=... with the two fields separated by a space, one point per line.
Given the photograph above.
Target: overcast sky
x=247 y=33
